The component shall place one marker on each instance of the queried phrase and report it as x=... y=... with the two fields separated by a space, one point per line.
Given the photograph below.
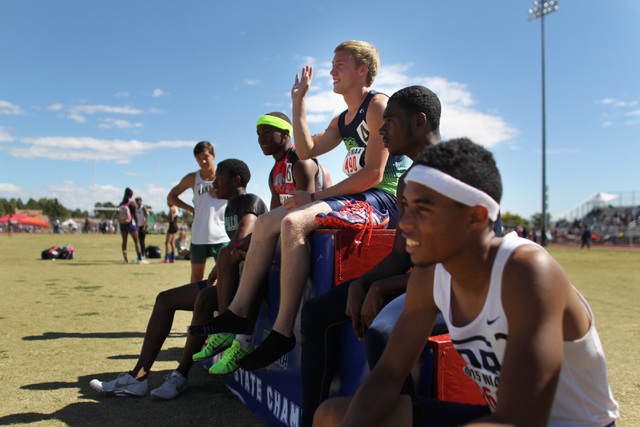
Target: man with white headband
x=526 y=334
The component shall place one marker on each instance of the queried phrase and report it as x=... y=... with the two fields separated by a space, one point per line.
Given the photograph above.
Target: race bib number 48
x=352 y=160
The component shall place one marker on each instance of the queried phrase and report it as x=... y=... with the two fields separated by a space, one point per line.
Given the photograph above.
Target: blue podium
x=275 y=393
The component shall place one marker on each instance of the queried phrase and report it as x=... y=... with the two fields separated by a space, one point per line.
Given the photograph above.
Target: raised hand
x=302 y=83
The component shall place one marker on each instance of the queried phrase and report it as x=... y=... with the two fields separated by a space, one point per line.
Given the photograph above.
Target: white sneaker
x=124 y=385
x=173 y=385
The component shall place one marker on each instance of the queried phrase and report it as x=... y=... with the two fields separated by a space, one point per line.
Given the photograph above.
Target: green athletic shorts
x=200 y=253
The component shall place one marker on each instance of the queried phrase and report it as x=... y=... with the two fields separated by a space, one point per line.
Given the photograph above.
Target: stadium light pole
x=539 y=10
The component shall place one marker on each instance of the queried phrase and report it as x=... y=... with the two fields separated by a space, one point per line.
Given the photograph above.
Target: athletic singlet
x=208 y=217
x=356 y=136
x=141 y=218
x=281 y=176
x=173 y=226
x=583 y=396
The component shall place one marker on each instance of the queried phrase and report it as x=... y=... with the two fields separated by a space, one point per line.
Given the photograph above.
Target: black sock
x=225 y=322
x=271 y=349
x=142 y=378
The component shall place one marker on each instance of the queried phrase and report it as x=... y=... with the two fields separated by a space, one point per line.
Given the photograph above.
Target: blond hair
x=363 y=54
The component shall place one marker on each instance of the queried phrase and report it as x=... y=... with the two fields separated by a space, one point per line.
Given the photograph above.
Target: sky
x=96 y=96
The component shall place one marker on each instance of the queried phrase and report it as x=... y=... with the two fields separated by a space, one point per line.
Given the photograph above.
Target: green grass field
x=63 y=323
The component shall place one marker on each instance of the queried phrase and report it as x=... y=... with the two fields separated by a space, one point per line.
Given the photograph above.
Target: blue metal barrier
x=275 y=393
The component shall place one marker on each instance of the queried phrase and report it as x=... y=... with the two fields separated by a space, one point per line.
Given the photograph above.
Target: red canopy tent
x=14 y=218
x=36 y=222
x=24 y=220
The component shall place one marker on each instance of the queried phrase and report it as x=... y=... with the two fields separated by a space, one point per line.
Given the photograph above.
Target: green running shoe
x=215 y=345
x=229 y=362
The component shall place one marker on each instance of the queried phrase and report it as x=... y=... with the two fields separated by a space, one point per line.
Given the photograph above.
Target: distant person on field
x=586 y=236
x=143 y=218
x=10 y=225
x=527 y=336
x=128 y=226
x=202 y=297
x=208 y=234
x=182 y=244
x=170 y=238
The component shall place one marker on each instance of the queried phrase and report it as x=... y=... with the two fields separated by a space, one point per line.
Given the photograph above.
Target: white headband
x=452 y=188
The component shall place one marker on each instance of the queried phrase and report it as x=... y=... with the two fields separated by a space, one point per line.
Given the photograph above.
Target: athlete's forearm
x=360 y=181
x=375 y=399
x=392 y=265
x=175 y=201
x=301 y=133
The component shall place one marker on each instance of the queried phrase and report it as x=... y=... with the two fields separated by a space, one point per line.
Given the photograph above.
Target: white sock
x=245 y=340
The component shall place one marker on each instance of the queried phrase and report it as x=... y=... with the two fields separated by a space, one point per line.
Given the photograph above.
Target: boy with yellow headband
x=290 y=173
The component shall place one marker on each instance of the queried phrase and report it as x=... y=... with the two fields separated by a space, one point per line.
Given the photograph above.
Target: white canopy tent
x=599 y=199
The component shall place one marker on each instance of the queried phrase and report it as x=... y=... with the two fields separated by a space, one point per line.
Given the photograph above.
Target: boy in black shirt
x=201 y=297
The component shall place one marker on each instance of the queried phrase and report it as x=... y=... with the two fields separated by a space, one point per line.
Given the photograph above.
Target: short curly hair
x=235 y=168
x=467 y=162
x=419 y=99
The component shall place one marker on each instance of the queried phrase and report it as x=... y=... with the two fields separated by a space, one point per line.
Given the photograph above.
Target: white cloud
x=9 y=188
x=78 y=118
x=8 y=108
x=93 y=109
x=564 y=151
x=306 y=60
x=460 y=114
x=617 y=103
x=324 y=102
x=77 y=112
x=120 y=124
x=159 y=92
x=83 y=148
x=121 y=95
x=251 y=82
x=5 y=136
x=73 y=196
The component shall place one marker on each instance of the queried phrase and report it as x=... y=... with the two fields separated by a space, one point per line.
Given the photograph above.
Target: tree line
x=54 y=209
